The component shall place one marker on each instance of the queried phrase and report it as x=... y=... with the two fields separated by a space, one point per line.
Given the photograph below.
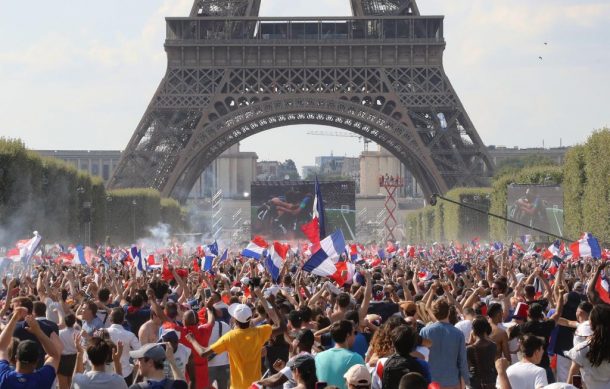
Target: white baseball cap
x=240 y=312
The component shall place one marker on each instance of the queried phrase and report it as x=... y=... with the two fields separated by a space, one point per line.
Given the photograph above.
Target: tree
x=514 y=164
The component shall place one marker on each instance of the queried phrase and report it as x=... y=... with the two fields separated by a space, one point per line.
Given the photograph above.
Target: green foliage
x=461 y=223
x=131 y=213
x=172 y=214
x=574 y=181
x=537 y=175
x=412 y=233
x=596 y=201
x=427 y=217
x=52 y=197
x=515 y=164
x=439 y=222
x=40 y=194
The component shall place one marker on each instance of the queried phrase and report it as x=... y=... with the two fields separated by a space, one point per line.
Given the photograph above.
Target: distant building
x=276 y=170
x=232 y=171
x=99 y=163
x=374 y=164
x=309 y=171
x=501 y=153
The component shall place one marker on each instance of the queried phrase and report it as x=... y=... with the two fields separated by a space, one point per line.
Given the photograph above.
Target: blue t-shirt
x=91 y=326
x=42 y=378
x=332 y=364
x=178 y=384
x=360 y=346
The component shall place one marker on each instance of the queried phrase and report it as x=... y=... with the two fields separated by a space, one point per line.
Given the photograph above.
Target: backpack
x=394 y=368
x=169 y=384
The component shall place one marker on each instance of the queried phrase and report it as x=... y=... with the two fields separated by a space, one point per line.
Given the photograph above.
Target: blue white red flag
x=224 y=256
x=208 y=260
x=586 y=247
x=79 y=256
x=553 y=250
x=322 y=262
x=140 y=263
x=256 y=248
x=275 y=260
x=344 y=273
x=602 y=287
x=25 y=249
x=213 y=248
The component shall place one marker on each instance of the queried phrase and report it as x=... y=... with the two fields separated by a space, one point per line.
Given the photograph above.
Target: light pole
x=133 y=218
x=107 y=221
x=80 y=191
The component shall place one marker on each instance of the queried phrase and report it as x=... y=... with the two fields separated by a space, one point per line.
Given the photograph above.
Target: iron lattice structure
x=232 y=74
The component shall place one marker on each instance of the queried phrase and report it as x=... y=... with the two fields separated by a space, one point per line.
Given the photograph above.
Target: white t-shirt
x=581 y=333
x=597 y=377
x=466 y=327
x=98 y=380
x=54 y=310
x=66 y=335
x=220 y=359
x=181 y=355
x=525 y=375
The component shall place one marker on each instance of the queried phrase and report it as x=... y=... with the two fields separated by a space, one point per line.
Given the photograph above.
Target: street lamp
x=133 y=218
x=108 y=202
x=80 y=191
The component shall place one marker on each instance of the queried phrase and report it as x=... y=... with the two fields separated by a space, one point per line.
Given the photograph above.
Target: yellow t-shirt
x=244 y=348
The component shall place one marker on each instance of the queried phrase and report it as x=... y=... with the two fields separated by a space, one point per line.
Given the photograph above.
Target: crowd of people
x=491 y=320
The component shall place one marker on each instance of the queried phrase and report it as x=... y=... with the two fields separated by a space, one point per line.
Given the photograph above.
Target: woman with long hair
x=592 y=358
x=481 y=355
x=303 y=370
x=381 y=345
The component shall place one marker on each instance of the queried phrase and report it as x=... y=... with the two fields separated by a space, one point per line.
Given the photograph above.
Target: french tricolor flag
x=587 y=246
x=275 y=259
x=256 y=248
x=344 y=273
x=79 y=256
x=322 y=262
x=354 y=253
x=136 y=255
x=602 y=287
x=553 y=250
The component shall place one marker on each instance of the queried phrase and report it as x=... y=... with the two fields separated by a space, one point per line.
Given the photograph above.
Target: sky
x=80 y=74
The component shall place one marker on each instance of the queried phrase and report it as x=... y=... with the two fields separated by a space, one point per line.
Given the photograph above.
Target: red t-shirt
x=202 y=335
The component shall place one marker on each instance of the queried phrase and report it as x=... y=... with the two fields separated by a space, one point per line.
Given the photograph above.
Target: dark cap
x=303 y=362
x=27 y=351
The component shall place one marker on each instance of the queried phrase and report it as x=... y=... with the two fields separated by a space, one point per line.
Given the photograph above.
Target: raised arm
x=368 y=294
x=49 y=347
x=278 y=325
x=591 y=292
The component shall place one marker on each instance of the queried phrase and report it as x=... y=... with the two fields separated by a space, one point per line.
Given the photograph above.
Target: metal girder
x=203 y=8
x=384 y=7
x=378 y=76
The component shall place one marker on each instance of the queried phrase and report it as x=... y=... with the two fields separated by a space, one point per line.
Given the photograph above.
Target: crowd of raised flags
x=330 y=256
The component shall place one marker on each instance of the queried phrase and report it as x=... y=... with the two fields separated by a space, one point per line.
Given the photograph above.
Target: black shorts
x=66 y=365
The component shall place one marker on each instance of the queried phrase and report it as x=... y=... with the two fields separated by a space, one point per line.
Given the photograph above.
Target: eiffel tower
x=232 y=74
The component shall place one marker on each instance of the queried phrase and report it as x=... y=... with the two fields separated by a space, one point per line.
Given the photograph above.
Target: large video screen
x=539 y=206
x=280 y=208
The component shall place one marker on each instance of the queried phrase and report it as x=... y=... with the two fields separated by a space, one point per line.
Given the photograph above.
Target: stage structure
x=390 y=204
x=232 y=74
